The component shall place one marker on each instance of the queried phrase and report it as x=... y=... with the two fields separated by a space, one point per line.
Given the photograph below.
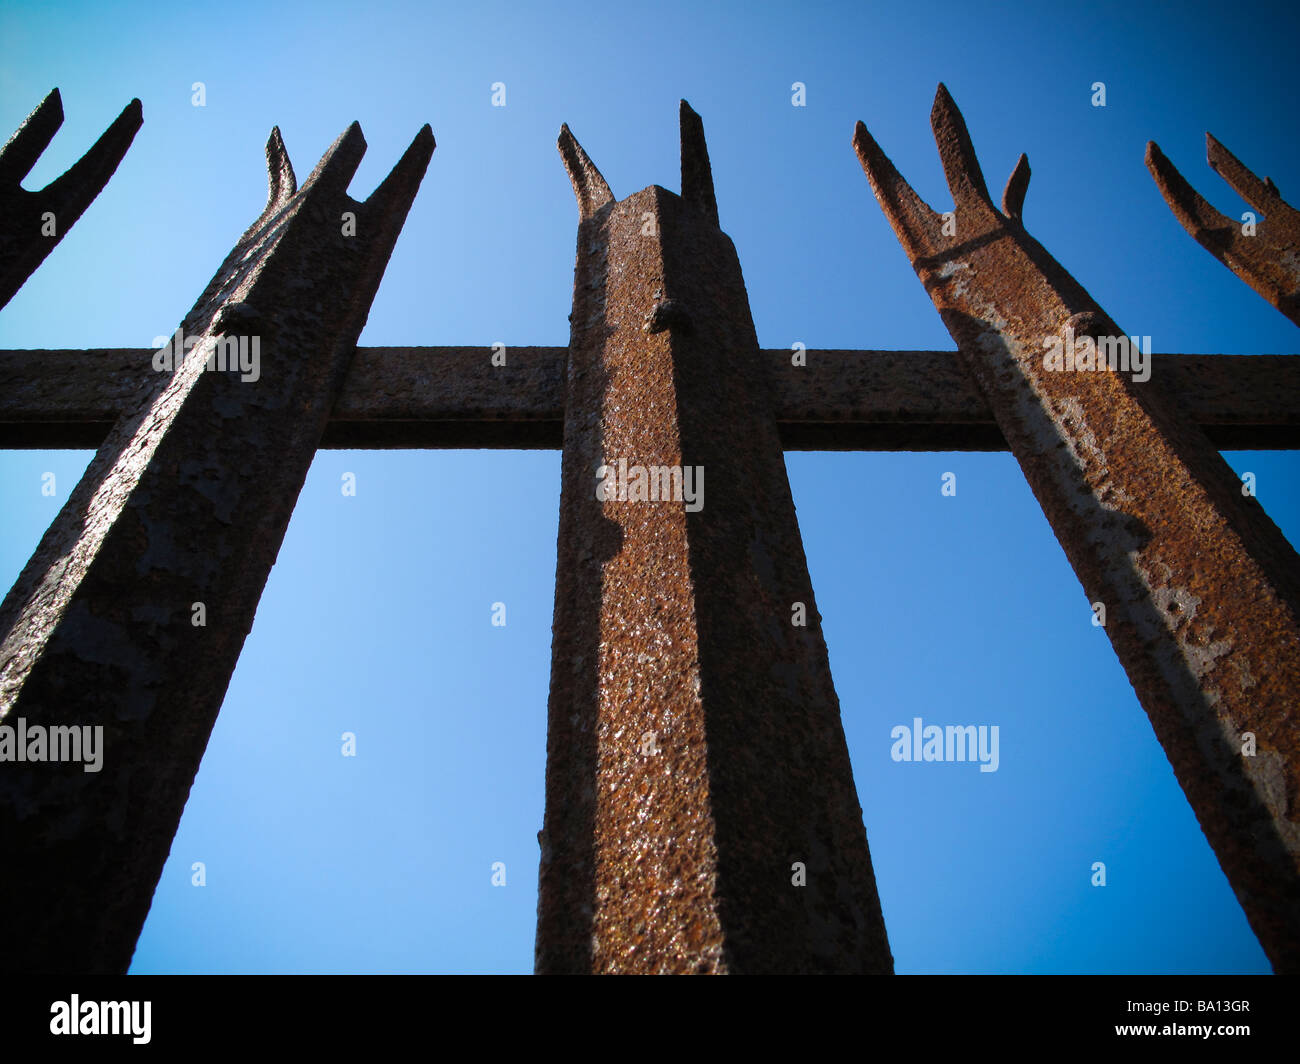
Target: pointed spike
x=281 y=180
x=1013 y=196
x=589 y=186
x=1189 y=207
x=697 y=174
x=914 y=223
x=339 y=164
x=956 y=152
x=398 y=189
x=66 y=197
x=72 y=192
x=1262 y=195
x=1263 y=260
x=31 y=138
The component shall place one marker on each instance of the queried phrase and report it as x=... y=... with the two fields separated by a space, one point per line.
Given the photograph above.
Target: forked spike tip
x=281 y=180
x=74 y=190
x=911 y=218
x=49 y=109
x=29 y=140
x=403 y=181
x=1192 y=210
x=697 y=173
x=339 y=164
x=867 y=150
x=1013 y=196
x=956 y=151
x=589 y=187
x=1261 y=194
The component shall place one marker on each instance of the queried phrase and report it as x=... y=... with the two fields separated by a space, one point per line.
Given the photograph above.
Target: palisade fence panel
x=701 y=813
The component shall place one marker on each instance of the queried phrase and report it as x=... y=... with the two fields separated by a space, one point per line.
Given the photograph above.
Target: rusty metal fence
x=694 y=739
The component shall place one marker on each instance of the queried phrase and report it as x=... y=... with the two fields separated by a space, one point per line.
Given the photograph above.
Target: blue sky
x=377 y=616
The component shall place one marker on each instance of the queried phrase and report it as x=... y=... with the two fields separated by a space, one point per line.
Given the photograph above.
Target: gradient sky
x=377 y=616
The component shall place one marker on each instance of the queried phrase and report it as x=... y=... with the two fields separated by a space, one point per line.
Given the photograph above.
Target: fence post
x=700 y=808
x=131 y=614
x=1201 y=589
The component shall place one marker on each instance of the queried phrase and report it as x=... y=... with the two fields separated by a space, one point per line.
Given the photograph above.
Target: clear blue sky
x=376 y=618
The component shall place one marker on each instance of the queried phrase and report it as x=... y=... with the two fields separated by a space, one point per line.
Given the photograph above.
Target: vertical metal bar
x=696 y=765
x=1201 y=590
x=185 y=503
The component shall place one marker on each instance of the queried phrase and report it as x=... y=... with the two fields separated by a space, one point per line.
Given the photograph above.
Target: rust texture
x=927 y=400
x=186 y=502
x=1200 y=587
x=436 y=397
x=25 y=236
x=1267 y=259
x=695 y=753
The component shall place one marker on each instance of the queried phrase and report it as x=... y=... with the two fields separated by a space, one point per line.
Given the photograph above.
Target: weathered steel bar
x=31 y=223
x=927 y=401
x=131 y=614
x=1202 y=592
x=1264 y=253
x=434 y=397
x=697 y=771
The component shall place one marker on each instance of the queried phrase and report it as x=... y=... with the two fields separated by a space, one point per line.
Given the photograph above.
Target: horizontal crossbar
x=454 y=397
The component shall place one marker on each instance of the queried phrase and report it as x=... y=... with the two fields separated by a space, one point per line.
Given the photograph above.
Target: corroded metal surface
x=1201 y=589
x=1266 y=253
x=186 y=502
x=695 y=754
x=927 y=401
x=435 y=397
x=31 y=223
